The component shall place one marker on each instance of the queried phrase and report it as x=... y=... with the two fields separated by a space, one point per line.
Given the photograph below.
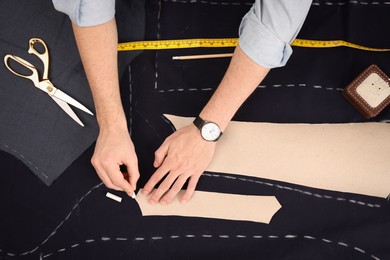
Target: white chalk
x=114 y=197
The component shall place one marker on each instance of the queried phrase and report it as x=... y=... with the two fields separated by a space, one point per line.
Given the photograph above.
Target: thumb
x=133 y=171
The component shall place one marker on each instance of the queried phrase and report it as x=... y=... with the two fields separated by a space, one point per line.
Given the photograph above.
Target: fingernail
x=133 y=196
x=152 y=202
x=163 y=202
x=183 y=201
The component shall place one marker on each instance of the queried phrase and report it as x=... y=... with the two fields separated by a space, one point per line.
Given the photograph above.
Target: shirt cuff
x=260 y=44
x=87 y=12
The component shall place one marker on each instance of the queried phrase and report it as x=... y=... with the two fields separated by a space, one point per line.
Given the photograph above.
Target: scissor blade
x=67 y=110
x=71 y=101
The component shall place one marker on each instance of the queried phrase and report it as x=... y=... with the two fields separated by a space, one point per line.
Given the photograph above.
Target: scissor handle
x=33 y=76
x=43 y=56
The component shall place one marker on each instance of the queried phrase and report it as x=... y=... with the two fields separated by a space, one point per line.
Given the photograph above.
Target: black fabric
x=72 y=219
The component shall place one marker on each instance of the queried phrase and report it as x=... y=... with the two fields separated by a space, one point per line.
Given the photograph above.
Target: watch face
x=210 y=131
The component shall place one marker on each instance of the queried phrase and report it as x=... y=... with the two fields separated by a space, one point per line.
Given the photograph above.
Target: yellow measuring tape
x=229 y=42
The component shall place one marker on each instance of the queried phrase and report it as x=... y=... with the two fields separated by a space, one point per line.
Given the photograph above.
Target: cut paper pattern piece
x=351 y=157
x=215 y=205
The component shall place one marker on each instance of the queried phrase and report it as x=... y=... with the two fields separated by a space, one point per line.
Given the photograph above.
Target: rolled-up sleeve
x=87 y=12
x=268 y=29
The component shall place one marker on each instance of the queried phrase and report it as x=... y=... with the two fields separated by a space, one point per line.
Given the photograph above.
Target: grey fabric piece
x=33 y=127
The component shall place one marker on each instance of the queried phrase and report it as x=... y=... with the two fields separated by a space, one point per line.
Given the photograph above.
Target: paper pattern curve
x=350 y=157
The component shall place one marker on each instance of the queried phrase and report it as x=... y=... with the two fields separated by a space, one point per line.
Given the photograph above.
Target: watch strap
x=199 y=122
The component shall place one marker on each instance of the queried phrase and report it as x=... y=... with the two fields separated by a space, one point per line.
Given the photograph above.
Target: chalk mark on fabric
x=218 y=236
x=23 y=158
x=320 y=196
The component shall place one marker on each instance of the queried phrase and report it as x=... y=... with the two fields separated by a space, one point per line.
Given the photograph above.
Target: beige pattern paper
x=215 y=205
x=351 y=157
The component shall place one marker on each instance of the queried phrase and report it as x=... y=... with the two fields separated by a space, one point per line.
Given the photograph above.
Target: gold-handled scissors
x=45 y=85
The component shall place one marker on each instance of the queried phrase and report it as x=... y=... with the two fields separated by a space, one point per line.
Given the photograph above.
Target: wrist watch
x=209 y=131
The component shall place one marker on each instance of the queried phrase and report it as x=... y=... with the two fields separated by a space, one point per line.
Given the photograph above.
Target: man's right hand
x=114 y=148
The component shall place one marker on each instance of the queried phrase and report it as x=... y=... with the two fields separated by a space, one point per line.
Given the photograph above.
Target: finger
x=160 y=154
x=163 y=188
x=133 y=172
x=103 y=176
x=118 y=179
x=190 y=189
x=154 y=179
x=174 y=190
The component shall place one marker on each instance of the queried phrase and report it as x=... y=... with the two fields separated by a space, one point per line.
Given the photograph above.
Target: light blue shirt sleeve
x=87 y=12
x=268 y=29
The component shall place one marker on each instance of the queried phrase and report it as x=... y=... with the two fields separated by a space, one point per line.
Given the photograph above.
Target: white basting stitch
x=316 y=3
x=299 y=85
x=259 y=86
x=353 y=2
x=75 y=245
x=290 y=236
x=121 y=238
x=343 y=244
x=131 y=102
x=61 y=223
x=182 y=90
x=106 y=239
x=23 y=158
x=292 y=189
x=359 y=249
x=207 y=236
x=89 y=240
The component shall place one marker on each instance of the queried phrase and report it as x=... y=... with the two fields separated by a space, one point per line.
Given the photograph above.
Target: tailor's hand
x=114 y=148
x=183 y=155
